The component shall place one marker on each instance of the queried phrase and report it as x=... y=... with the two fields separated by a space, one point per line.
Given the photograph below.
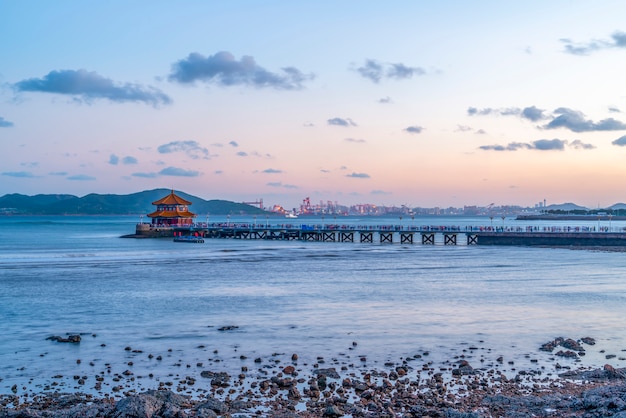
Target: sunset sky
x=417 y=103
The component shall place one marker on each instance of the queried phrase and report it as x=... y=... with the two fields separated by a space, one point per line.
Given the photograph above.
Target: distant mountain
x=618 y=206
x=112 y=204
x=565 y=206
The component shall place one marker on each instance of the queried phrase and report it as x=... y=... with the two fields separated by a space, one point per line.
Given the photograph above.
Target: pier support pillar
x=472 y=239
x=367 y=237
x=428 y=239
x=328 y=236
x=406 y=237
x=310 y=236
x=449 y=239
x=386 y=237
x=346 y=237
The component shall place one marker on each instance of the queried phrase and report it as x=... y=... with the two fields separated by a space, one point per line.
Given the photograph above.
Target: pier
x=396 y=234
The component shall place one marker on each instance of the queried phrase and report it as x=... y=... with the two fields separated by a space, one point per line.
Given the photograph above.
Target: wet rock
x=330 y=372
x=228 y=328
x=294 y=393
x=567 y=354
x=463 y=369
x=211 y=404
x=571 y=344
x=551 y=345
x=152 y=404
x=588 y=340
x=72 y=338
x=332 y=411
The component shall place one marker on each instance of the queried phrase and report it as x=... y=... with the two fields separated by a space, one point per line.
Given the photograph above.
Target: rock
x=331 y=372
x=228 y=328
x=72 y=338
x=549 y=346
x=567 y=354
x=572 y=345
x=293 y=393
x=212 y=404
x=289 y=370
x=152 y=403
x=332 y=411
x=588 y=340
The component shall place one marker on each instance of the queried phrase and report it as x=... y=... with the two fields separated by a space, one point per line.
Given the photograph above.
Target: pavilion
x=172 y=211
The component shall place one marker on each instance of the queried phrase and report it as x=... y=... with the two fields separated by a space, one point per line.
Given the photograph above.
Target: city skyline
x=404 y=103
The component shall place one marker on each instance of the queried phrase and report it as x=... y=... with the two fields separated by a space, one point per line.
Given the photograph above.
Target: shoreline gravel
x=282 y=385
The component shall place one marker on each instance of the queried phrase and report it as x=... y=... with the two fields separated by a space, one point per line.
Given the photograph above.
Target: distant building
x=172 y=210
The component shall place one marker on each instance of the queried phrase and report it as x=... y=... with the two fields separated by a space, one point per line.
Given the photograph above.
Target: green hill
x=112 y=204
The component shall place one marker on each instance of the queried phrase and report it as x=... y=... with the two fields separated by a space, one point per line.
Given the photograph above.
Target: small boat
x=291 y=215
x=189 y=238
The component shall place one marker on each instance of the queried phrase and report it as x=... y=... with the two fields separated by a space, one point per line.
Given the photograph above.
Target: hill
x=112 y=204
x=566 y=207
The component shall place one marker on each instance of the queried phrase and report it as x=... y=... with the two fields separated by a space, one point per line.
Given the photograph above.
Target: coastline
x=475 y=383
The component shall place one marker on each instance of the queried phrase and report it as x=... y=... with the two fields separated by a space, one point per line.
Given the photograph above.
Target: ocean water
x=366 y=304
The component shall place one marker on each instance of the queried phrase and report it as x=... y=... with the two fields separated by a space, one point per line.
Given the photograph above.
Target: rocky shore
x=468 y=385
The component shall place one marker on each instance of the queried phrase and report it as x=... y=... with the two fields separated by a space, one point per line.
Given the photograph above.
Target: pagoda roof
x=171 y=214
x=172 y=199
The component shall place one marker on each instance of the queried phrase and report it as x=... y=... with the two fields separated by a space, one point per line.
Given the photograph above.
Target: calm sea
x=61 y=275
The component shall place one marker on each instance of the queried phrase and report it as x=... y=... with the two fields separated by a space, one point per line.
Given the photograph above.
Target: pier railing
x=403 y=234
x=406 y=228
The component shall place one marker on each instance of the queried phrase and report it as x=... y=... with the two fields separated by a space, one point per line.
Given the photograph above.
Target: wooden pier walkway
x=396 y=234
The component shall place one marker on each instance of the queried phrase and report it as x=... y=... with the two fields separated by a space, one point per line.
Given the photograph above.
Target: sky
x=417 y=103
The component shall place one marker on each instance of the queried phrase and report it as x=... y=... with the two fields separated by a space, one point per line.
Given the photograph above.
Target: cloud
x=531 y=113
x=179 y=172
x=58 y=173
x=192 y=148
x=549 y=144
x=19 y=174
x=242 y=154
x=539 y=145
x=81 y=177
x=224 y=69
x=272 y=171
x=87 y=86
x=233 y=144
x=414 y=129
x=341 y=122
x=145 y=175
x=379 y=192
x=578 y=144
x=128 y=160
x=575 y=121
x=358 y=141
x=400 y=71
x=620 y=142
x=5 y=123
x=358 y=175
x=385 y=100
x=114 y=159
x=308 y=124
x=560 y=118
x=376 y=71
x=279 y=184
x=618 y=40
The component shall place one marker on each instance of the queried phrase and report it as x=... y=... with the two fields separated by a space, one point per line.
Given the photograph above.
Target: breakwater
x=390 y=234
